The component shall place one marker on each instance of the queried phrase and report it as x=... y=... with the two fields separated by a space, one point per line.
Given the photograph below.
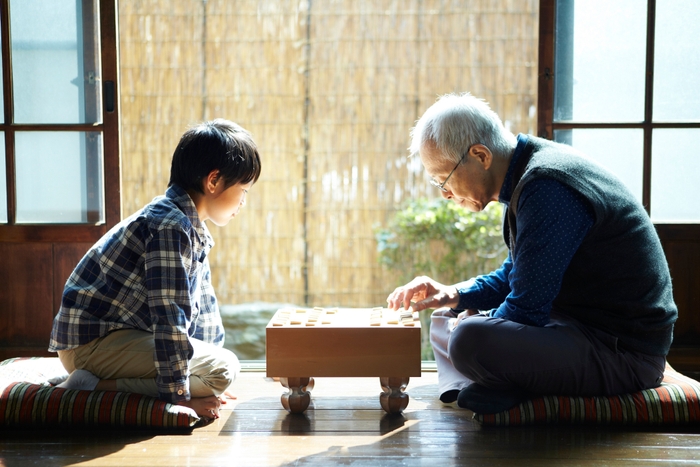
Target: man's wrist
x=454 y=299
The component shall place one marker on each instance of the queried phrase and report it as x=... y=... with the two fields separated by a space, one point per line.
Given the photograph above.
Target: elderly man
x=583 y=303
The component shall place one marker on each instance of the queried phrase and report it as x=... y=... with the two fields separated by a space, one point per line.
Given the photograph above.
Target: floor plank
x=346 y=426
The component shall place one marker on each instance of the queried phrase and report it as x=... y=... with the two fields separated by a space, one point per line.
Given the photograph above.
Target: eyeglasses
x=441 y=186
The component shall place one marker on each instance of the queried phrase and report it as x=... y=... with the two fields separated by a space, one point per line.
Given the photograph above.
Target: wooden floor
x=346 y=426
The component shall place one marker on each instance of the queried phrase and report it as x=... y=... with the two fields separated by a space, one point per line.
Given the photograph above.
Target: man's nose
x=447 y=194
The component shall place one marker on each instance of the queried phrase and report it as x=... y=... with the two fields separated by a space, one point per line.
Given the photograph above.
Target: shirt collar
x=506 y=189
x=183 y=201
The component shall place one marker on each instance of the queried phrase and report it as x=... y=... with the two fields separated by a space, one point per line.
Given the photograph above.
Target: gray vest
x=618 y=280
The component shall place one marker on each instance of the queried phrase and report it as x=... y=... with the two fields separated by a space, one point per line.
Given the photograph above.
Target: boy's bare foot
x=204 y=406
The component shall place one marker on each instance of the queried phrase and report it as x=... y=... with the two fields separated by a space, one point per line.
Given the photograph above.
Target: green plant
x=438 y=238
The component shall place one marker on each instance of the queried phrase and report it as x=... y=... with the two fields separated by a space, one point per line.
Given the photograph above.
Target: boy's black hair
x=215 y=145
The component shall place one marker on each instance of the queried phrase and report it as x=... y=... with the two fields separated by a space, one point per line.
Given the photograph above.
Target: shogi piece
x=345 y=342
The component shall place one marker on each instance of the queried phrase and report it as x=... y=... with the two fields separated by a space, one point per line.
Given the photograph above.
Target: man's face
x=470 y=183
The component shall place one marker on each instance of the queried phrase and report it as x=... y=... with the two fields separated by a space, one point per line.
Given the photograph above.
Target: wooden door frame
x=37 y=259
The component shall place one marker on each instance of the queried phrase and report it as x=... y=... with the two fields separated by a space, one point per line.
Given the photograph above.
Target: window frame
x=109 y=128
x=545 y=107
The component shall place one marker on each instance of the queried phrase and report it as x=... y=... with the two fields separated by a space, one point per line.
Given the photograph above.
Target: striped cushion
x=675 y=402
x=26 y=399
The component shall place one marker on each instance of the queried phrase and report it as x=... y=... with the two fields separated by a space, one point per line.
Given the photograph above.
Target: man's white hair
x=457 y=121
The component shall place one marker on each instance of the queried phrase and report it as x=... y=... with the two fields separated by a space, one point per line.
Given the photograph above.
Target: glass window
x=674 y=175
x=55 y=75
x=3 y=181
x=2 y=94
x=599 y=61
x=618 y=150
x=59 y=177
x=677 y=61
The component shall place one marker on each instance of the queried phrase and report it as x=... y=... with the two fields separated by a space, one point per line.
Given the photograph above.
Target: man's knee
x=469 y=339
x=471 y=334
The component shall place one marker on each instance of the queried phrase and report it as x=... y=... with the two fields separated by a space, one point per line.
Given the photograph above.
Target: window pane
x=3 y=181
x=55 y=66
x=2 y=96
x=59 y=177
x=674 y=175
x=677 y=61
x=621 y=151
x=599 y=75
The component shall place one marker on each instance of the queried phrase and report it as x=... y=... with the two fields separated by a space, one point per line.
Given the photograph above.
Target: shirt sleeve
x=487 y=291
x=553 y=221
x=208 y=325
x=168 y=260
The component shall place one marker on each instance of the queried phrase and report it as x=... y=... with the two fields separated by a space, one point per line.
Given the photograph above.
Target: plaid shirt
x=149 y=272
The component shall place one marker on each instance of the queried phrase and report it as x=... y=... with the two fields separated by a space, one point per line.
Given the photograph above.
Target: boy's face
x=224 y=203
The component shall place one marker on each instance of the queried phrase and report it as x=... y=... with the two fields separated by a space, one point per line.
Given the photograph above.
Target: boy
x=139 y=313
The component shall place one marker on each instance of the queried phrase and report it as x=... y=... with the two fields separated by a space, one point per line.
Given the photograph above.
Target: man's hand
x=207 y=407
x=425 y=293
x=462 y=315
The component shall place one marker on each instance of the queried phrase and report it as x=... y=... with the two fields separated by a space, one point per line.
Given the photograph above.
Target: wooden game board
x=304 y=343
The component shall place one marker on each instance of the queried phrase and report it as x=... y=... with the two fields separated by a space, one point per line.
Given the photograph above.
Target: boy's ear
x=211 y=181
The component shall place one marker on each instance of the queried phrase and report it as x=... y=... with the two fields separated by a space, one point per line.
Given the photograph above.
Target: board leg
x=297 y=399
x=393 y=399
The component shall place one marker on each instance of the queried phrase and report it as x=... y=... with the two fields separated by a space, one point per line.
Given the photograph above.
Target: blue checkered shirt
x=149 y=272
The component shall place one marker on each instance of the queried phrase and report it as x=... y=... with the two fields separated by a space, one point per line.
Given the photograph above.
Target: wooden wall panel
x=683 y=259
x=681 y=243
x=26 y=299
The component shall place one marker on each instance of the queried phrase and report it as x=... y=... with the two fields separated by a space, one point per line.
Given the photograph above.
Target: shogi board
x=337 y=342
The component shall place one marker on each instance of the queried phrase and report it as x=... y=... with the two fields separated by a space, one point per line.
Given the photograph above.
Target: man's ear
x=211 y=181
x=482 y=154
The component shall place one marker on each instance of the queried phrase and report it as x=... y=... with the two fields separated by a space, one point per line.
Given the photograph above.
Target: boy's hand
x=207 y=407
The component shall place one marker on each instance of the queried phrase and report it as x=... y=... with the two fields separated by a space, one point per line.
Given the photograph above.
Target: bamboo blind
x=329 y=89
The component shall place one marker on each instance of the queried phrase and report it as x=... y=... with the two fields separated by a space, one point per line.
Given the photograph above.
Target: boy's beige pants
x=127 y=357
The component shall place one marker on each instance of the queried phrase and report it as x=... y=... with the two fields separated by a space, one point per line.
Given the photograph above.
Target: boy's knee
x=231 y=367
x=223 y=368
